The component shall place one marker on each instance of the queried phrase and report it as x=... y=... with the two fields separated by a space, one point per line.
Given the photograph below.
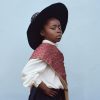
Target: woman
x=45 y=72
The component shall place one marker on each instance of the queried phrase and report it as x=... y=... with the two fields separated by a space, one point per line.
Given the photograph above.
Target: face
x=52 y=30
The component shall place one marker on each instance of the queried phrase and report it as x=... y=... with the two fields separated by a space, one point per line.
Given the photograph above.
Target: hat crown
x=34 y=16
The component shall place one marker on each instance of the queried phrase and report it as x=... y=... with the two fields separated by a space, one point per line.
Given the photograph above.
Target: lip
x=59 y=38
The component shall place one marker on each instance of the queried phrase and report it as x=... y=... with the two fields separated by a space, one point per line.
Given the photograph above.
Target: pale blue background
x=80 y=45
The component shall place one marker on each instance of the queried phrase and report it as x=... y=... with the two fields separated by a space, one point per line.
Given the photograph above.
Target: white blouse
x=36 y=71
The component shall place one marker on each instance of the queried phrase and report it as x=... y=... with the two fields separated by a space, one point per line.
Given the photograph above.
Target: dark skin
x=47 y=90
x=51 y=31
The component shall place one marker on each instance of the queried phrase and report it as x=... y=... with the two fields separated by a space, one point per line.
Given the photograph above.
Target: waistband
x=58 y=90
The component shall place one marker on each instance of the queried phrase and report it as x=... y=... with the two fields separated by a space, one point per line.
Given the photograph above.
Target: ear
x=42 y=33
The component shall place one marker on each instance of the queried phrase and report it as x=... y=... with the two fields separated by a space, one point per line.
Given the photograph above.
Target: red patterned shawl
x=52 y=56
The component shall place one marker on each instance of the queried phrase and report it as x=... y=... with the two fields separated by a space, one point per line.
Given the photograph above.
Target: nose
x=59 y=32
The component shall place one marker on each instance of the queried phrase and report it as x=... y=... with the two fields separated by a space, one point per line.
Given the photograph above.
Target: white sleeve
x=31 y=72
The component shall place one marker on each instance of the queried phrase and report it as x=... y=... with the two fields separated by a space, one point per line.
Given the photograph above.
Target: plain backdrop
x=80 y=45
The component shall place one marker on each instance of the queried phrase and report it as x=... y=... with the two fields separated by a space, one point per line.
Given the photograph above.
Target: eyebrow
x=55 y=25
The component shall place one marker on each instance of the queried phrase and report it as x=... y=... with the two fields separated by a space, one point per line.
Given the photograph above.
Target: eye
x=53 y=28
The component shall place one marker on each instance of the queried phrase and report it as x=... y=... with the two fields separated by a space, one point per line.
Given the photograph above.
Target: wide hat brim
x=57 y=10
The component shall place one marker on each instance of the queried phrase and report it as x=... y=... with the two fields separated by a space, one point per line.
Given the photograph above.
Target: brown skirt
x=38 y=94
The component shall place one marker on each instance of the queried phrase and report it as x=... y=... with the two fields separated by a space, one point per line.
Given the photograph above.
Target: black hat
x=57 y=10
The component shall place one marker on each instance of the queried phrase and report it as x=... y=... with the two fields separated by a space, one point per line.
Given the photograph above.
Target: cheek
x=51 y=34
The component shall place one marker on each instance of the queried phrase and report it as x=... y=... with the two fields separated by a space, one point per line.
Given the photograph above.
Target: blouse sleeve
x=31 y=72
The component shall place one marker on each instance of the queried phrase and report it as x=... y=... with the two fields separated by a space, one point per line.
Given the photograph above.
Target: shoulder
x=44 y=49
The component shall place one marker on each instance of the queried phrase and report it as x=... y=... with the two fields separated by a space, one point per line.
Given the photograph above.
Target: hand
x=47 y=90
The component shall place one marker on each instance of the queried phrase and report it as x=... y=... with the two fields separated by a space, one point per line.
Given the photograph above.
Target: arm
x=31 y=72
x=30 y=75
